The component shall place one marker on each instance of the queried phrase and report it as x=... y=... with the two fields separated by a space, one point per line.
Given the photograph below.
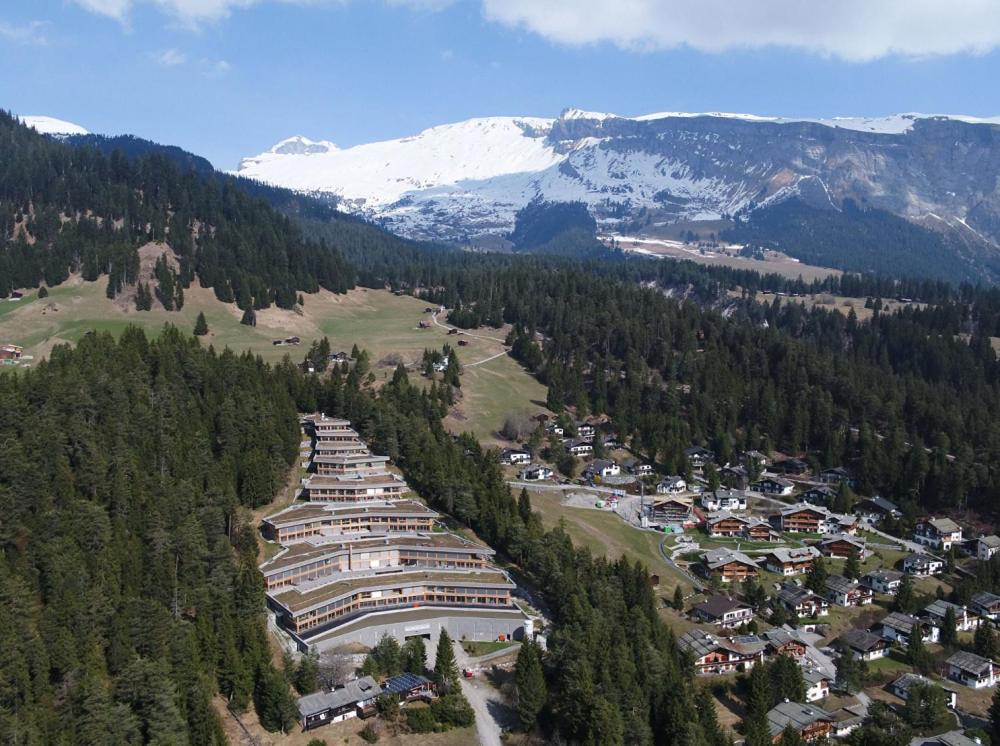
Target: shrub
x=368 y=733
x=420 y=720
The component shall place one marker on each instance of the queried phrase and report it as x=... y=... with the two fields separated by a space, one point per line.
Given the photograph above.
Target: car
x=467 y=673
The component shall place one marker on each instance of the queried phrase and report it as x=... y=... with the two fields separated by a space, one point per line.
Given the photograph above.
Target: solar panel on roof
x=402 y=683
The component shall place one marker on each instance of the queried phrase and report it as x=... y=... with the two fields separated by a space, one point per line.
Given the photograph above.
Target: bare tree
x=516 y=426
x=334 y=669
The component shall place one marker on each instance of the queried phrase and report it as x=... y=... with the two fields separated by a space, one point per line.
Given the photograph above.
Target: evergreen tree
x=678 y=602
x=201 y=325
x=984 y=642
x=949 y=629
x=524 y=506
x=916 y=652
x=790 y=736
x=275 y=706
x=249 y=318
x=414 y=655
x=905 y=601
x=530 y=683
x=995 y=717
x=850 y=672
x=817 y=575
x=852 y=567
x=445 y=667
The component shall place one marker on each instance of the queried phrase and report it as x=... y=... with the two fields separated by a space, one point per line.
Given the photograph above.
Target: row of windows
x=326 y=616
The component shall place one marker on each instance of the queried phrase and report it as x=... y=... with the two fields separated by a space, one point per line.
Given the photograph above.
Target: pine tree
x=678 y=602
x=249 y=318
x=985 y=642
x=916 y=653
x=524 y=506
x=852 y=567
x=445 y=667
x=905 y=600
x=530 y=682
x=790 y=736
x=414 y=655
x=949 y=628
x=817 y=575
x=201 y=325
x=995 y=717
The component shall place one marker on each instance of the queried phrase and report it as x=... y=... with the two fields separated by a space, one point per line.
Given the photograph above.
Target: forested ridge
x=65 y=209
x=129 y=589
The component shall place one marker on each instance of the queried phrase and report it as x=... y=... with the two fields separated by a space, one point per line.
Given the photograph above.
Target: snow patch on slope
x=53 y=126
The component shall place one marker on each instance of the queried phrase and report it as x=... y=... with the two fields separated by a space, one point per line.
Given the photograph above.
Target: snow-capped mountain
x=467 y=180
x=53 y=126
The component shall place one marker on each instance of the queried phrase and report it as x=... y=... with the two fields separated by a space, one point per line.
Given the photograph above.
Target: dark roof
x=716 y=606
x=351 y=693
x=885 y=506
x=861 y=639
x=795 y=714
x=970 y=662
x=403 y=683
x=840 y=584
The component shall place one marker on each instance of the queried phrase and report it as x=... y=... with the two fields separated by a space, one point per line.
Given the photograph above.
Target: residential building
x=965 y=620
x=804 y=519
x=728 y=565
x=515 y=457
x=783 y=642
x=951 y=738
x=821 y=494
x=972 y=670
x=675 y=511
x=725 y=524
x=323 y=426
x=842 y=546
x=535 y=473
x=350 y=465
x=898 y=627
x=883 y=581
x=901 y=687
x=319 y=557
x=922 y=565
x=585 y=430
x=714 y=655
x=802 y=601
x=319 y=606
x=698 y=456
x=774 y=486
x=836 y=475
x=554 y=428
x=987 y=546
x=875 y=509
x=817 y=684
x=601 y=468
x=9 y=352
x=793 y=466
x=723 y=610
x=987 y=605
x=729 y=500
x=736 y=477
x=579 y=447
x=408 y=687
x=760 y=530
x=671 y=486
x=808 y=720
x=302 y=521
x=347 y=447
x=938 y=533
x=354 y=699
x=845 y=592
x=636 y=467
x=863 y=645
x=786 y=561
x=754 y=457
x=353 y=489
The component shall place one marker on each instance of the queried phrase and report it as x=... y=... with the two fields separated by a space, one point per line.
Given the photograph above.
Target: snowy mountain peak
x=300 y=145
x=53 y=126
x=596 y=116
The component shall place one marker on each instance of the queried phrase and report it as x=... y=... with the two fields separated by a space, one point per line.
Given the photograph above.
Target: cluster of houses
x=360 y=558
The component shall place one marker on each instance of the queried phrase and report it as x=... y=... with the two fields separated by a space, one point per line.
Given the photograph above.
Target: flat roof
x=297 y=600
x=310 y=511
x=378 y=480
x=348 y=458
x=316 y=548
x=341 y=445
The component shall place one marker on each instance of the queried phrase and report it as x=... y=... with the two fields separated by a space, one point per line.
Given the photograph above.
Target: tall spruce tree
x=530 y=682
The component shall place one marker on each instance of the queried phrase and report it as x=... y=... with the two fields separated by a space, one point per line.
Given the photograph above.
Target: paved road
x=545 y=485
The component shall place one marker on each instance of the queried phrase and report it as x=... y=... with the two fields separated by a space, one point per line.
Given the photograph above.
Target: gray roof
x=714 y=558
x=944 y=525
x=985 y=599
x=840 y=584
x=970 y=662
x=351 y=693
x=900 y=622
x=908 y=679
x=814 y=675
x=797 y=715
x=785 y=554
x=716 y=606
x=857 y=541
x=884 y=575
x=886 y=506
x=919 y=559
x=992 y=541
x=951 y=738
x=861 y=640
x=940 y=607
x=723 y=515
x=793 y=595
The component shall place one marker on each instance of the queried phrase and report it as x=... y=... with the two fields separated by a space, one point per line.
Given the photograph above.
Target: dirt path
x=434 y=318
x=492 y=713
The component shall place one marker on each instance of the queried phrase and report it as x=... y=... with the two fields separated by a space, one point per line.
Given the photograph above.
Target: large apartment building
x=315 y=559
x=353 y=489
x=350 y=465
x=306 y=520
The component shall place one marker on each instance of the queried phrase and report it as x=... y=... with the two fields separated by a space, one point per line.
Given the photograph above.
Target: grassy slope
x=376 y=320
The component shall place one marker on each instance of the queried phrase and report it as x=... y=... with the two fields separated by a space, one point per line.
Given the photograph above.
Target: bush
x=316 y=742
x=368 y=733
x=420 y=720
x=453 y=709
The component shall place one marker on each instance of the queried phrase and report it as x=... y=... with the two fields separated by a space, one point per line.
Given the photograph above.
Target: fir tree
x=949 y=629
x=445 y=667
x=817 y=575
x=201 y=325
x=678 y=602
x=905 y=600
x=852 y=567
x=530 y=683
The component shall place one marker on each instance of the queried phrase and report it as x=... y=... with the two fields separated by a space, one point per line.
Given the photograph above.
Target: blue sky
x=228 y=78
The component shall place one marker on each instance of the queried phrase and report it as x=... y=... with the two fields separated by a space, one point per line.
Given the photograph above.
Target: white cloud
x=215 y=68
x=856 y=30
x=447 y=55
x=29 y=33
x=116 y=9
x=169 y=58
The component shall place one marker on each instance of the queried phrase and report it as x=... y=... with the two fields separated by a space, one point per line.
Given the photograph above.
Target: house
x=965 y=620
x=754 y=457
x=714 y=655
x=898 y=627
x=790 y=561
x=579 y=447
x=808 y=720
x=951 y=738
x=408 y=687
x=674 y=511
x=783 y=642
x=728 y=565
x=819 y=495
x=725 y=523
x=817 y=684
x=922 y=565
x=639 y=468
x=901 y=687
x=862 y=645
x=883 y=581
x=972 y=670
x=736 y=477
x=601 y=468
x=802 y=601
x=794 y=466
x=515 y=456
x=535 y=473
x=836 y=475
x=11 y=352
x=759 y=530
x=698 y=456
x=353 y=699
x=729 y=500
x=774 y=486
x=987 y=605
x=938 y=533
x=671 y=486
x=845 y=592
x=723 y=610
x=842 y=546
x=987 y=546
x=554 y=428
x=585 y=430
x=804 y=519
x=875 y=509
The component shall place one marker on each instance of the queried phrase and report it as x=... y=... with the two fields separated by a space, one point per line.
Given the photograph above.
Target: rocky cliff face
x=664 y=167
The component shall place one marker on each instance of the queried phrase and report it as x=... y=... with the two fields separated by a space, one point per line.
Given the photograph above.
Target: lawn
x=475 y=648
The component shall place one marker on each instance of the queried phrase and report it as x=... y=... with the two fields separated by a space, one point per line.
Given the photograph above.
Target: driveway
x=493 y=715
